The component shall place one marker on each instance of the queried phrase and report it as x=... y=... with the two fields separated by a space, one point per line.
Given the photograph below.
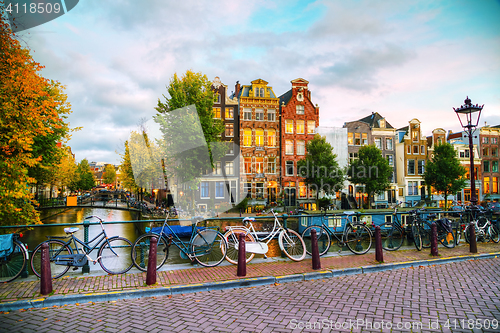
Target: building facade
x=489 y=145
x=298 y=121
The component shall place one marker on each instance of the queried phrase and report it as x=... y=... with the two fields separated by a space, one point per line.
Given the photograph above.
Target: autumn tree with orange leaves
x=32 y=114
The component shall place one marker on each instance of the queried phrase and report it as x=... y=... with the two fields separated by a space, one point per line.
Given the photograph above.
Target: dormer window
x=382 y=123
x=300 y=109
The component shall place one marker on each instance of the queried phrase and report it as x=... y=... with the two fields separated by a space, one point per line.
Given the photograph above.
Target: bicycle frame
x=277 y=228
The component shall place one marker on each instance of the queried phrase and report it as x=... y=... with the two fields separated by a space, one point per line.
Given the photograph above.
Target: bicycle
x=485 y=230
x=206 y=246
x=356 y=235
x=392 y=232
x=444 y=232
x=417 y=229
x=113 y=254
x=13 y=257
x=289 y=241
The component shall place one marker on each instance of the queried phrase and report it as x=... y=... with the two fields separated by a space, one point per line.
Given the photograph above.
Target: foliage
x=242 y=205
x=320 y=168
x=324 y=202
x=32 y=113
x=85 y=178
x=65 y=171
x=126 y=171
x=444 y=171
x=109 y=176
x=370 y=169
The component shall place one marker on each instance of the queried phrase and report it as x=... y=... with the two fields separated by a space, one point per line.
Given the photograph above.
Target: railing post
x=472 y=238
x=379 y=253
x=151 y=273
x=242 y=257
x=86 y=225
x=434 y=245
x=285 y=216
x=46 y=275
x=316 y=264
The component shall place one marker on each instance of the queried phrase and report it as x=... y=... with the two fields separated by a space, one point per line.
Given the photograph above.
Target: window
x=494 y=185
x=485 y=139
x=233 y=191
x=217 y=169
x=256 y=92
x=411 y=167
x=217 y=113
x=494 y=166
x=219 y=190
x=271 y=115
x=229 y=168
x=350 y=138
x=486 y=184
x=229 y=130
x=378 y=143
x=300 y=126
x=415 y=150
x=494 y=141
x=412 y=188
x=408 y=149
x=352 y=157
x=381 y=196
x=247 y=189
x=289 y=147
x=421 y=167
x=289 y=126
x=271 y=137
x=217 y=98
x=262 y=92
x=300 y=109
x=247 y=137
x=388 y=144
x=259 y=114
x=259 y=165
x=486 y=166
x=422 y=150
x=301 y=147
x=259 y=137
x=311 y=125
x=464 y=153
x=357 y=139
x=364 y=138
x=381 y=123
x=259 y=190
x=390 y=159
x=271 y=165
x=486 y=151
x=205 y=193
x=230 y=150
x=414 y=136
x=247 y=114
x=494 y=152
x=229 y=113
x=289 y=168
x=302 y=190
x=248 y=164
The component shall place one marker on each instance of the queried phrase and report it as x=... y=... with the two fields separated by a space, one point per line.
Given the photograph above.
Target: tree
x=371 y=169
x=85 y=177
x=66 y=170
x=109 y=176
x=31 y=112
x=320 y=168
x=126 y=171
x=444 y=171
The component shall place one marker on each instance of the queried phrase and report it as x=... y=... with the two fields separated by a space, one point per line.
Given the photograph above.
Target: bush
x=323 y=202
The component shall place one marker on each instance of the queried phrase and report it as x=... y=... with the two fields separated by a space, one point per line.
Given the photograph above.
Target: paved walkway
x=456 y=297
x=25 y=293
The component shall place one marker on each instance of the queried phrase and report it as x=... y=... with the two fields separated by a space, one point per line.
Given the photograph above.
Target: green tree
x=126 y=171
x=371 y=169
x=109 y=176
x=320 y=168
x=85 y=178
x=444 y=171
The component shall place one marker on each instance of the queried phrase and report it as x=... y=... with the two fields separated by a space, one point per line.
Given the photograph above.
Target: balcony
x=259 y=148
x=259 y=175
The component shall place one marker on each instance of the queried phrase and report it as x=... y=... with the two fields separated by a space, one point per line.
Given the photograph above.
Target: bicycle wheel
x=446 y=238
x=140 y=251
x=114 y=255
x=322 y=236
x=292 y=244
x=209 y=249
x=417 y=236
x=56 y=247
x=12 y=266
x=425 y=232
x=392 y=236
x=358 y=238
x=494 y=233
x=232 y=239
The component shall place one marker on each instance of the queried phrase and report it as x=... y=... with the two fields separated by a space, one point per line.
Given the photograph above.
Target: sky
x=402 y=59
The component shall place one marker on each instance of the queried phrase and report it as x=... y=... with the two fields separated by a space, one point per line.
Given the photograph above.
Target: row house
x=372 y=130
x=299 y=118
x=489 y=143
x=219 y=188
x=259 y=141
x=411 y=154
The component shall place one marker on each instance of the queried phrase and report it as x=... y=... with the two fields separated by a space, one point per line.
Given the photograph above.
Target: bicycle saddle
x=248 y=219
x=71 y=230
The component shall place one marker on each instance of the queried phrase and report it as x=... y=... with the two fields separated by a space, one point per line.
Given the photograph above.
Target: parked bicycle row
x=207 y=246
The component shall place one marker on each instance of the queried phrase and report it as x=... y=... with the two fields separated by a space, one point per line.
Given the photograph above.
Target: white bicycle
x=290 y=242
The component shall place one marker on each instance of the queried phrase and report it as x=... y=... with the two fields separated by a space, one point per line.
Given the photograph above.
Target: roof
x=374 y=120
x=286 y=97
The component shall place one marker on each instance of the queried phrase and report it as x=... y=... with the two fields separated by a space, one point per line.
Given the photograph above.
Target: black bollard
x=434 y=240
x=379 y=253
x=151 y=273
x=472 y=238
x=242 y=257
x=46 y=275
x=316 y=264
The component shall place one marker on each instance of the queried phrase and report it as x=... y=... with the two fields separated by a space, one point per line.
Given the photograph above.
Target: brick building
x=489 y=145
x=298 y=120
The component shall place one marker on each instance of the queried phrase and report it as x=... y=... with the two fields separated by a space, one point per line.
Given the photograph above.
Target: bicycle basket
x=207 y=237
x=6 y=245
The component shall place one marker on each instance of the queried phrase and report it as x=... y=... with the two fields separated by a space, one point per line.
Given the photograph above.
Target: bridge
x=101 y=201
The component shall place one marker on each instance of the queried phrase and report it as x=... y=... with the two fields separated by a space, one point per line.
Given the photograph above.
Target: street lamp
x=465 y=114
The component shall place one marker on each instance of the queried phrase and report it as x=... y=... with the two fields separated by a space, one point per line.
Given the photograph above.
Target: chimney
x=237 y=88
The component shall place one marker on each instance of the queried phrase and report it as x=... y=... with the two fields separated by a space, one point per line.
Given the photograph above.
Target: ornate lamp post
x=465 y=114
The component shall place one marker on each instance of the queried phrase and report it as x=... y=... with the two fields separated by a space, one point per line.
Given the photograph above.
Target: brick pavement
x=420 y=299
x=69 y=285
